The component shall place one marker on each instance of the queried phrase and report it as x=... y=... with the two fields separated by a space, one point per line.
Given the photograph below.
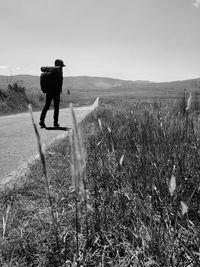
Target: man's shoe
x=56 y=125
x=42 y=124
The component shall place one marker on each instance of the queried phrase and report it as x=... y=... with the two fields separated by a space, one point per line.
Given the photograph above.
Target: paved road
x=18 y=141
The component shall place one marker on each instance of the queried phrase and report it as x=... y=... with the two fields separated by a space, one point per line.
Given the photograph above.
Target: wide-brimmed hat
x=59 y=62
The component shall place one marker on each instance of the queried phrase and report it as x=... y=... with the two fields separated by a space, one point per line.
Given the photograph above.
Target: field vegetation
x=83 y=90
x=121 y=190
x=13 y=100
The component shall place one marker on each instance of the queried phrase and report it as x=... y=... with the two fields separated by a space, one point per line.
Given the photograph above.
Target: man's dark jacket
x=56 y=80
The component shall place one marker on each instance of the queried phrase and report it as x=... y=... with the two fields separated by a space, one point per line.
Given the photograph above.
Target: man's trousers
x=56 y=100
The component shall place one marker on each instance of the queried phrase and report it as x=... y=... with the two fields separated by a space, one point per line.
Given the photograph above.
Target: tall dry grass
x=131 y=200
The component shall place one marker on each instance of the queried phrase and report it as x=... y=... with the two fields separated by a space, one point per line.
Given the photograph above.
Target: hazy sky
x=157 y=40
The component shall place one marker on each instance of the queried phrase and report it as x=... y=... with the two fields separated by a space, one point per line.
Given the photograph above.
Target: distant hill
x=79 y=82
x=27 y=80
x=100 y=83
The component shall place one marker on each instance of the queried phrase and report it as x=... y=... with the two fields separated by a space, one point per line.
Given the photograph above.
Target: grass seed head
x=100 y=124
x=172 y=184
x=184 y=208
x=109 y=130
x=78 y=155
x=121 y=160
x=189 y=102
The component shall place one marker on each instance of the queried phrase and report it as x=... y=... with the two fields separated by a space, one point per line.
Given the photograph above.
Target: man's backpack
x=48 y=78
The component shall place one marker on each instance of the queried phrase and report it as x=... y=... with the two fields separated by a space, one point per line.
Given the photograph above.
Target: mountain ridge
x=90 y=82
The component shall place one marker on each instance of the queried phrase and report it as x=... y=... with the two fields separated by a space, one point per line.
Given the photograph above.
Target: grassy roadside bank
x=142 y=181
x=13 y=100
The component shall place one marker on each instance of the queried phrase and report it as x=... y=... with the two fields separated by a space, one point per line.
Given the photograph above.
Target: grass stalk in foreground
x=42 y=157
x=5 y=219
x=78 y=165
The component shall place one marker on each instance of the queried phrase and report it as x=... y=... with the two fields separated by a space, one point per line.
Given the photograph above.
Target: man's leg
x=45 y=108
x=56 y=109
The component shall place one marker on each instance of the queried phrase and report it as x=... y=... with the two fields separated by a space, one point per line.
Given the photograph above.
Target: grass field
x=125 y=192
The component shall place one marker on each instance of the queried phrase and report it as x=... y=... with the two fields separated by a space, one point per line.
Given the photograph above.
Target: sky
x=156 y=40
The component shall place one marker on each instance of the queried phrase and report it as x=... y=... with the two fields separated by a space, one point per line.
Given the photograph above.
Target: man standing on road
x=54 y=89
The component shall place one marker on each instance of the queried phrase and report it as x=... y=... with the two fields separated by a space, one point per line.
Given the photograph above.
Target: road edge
x=24 y=170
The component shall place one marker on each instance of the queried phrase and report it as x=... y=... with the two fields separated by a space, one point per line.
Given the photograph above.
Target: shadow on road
x=57 y=128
